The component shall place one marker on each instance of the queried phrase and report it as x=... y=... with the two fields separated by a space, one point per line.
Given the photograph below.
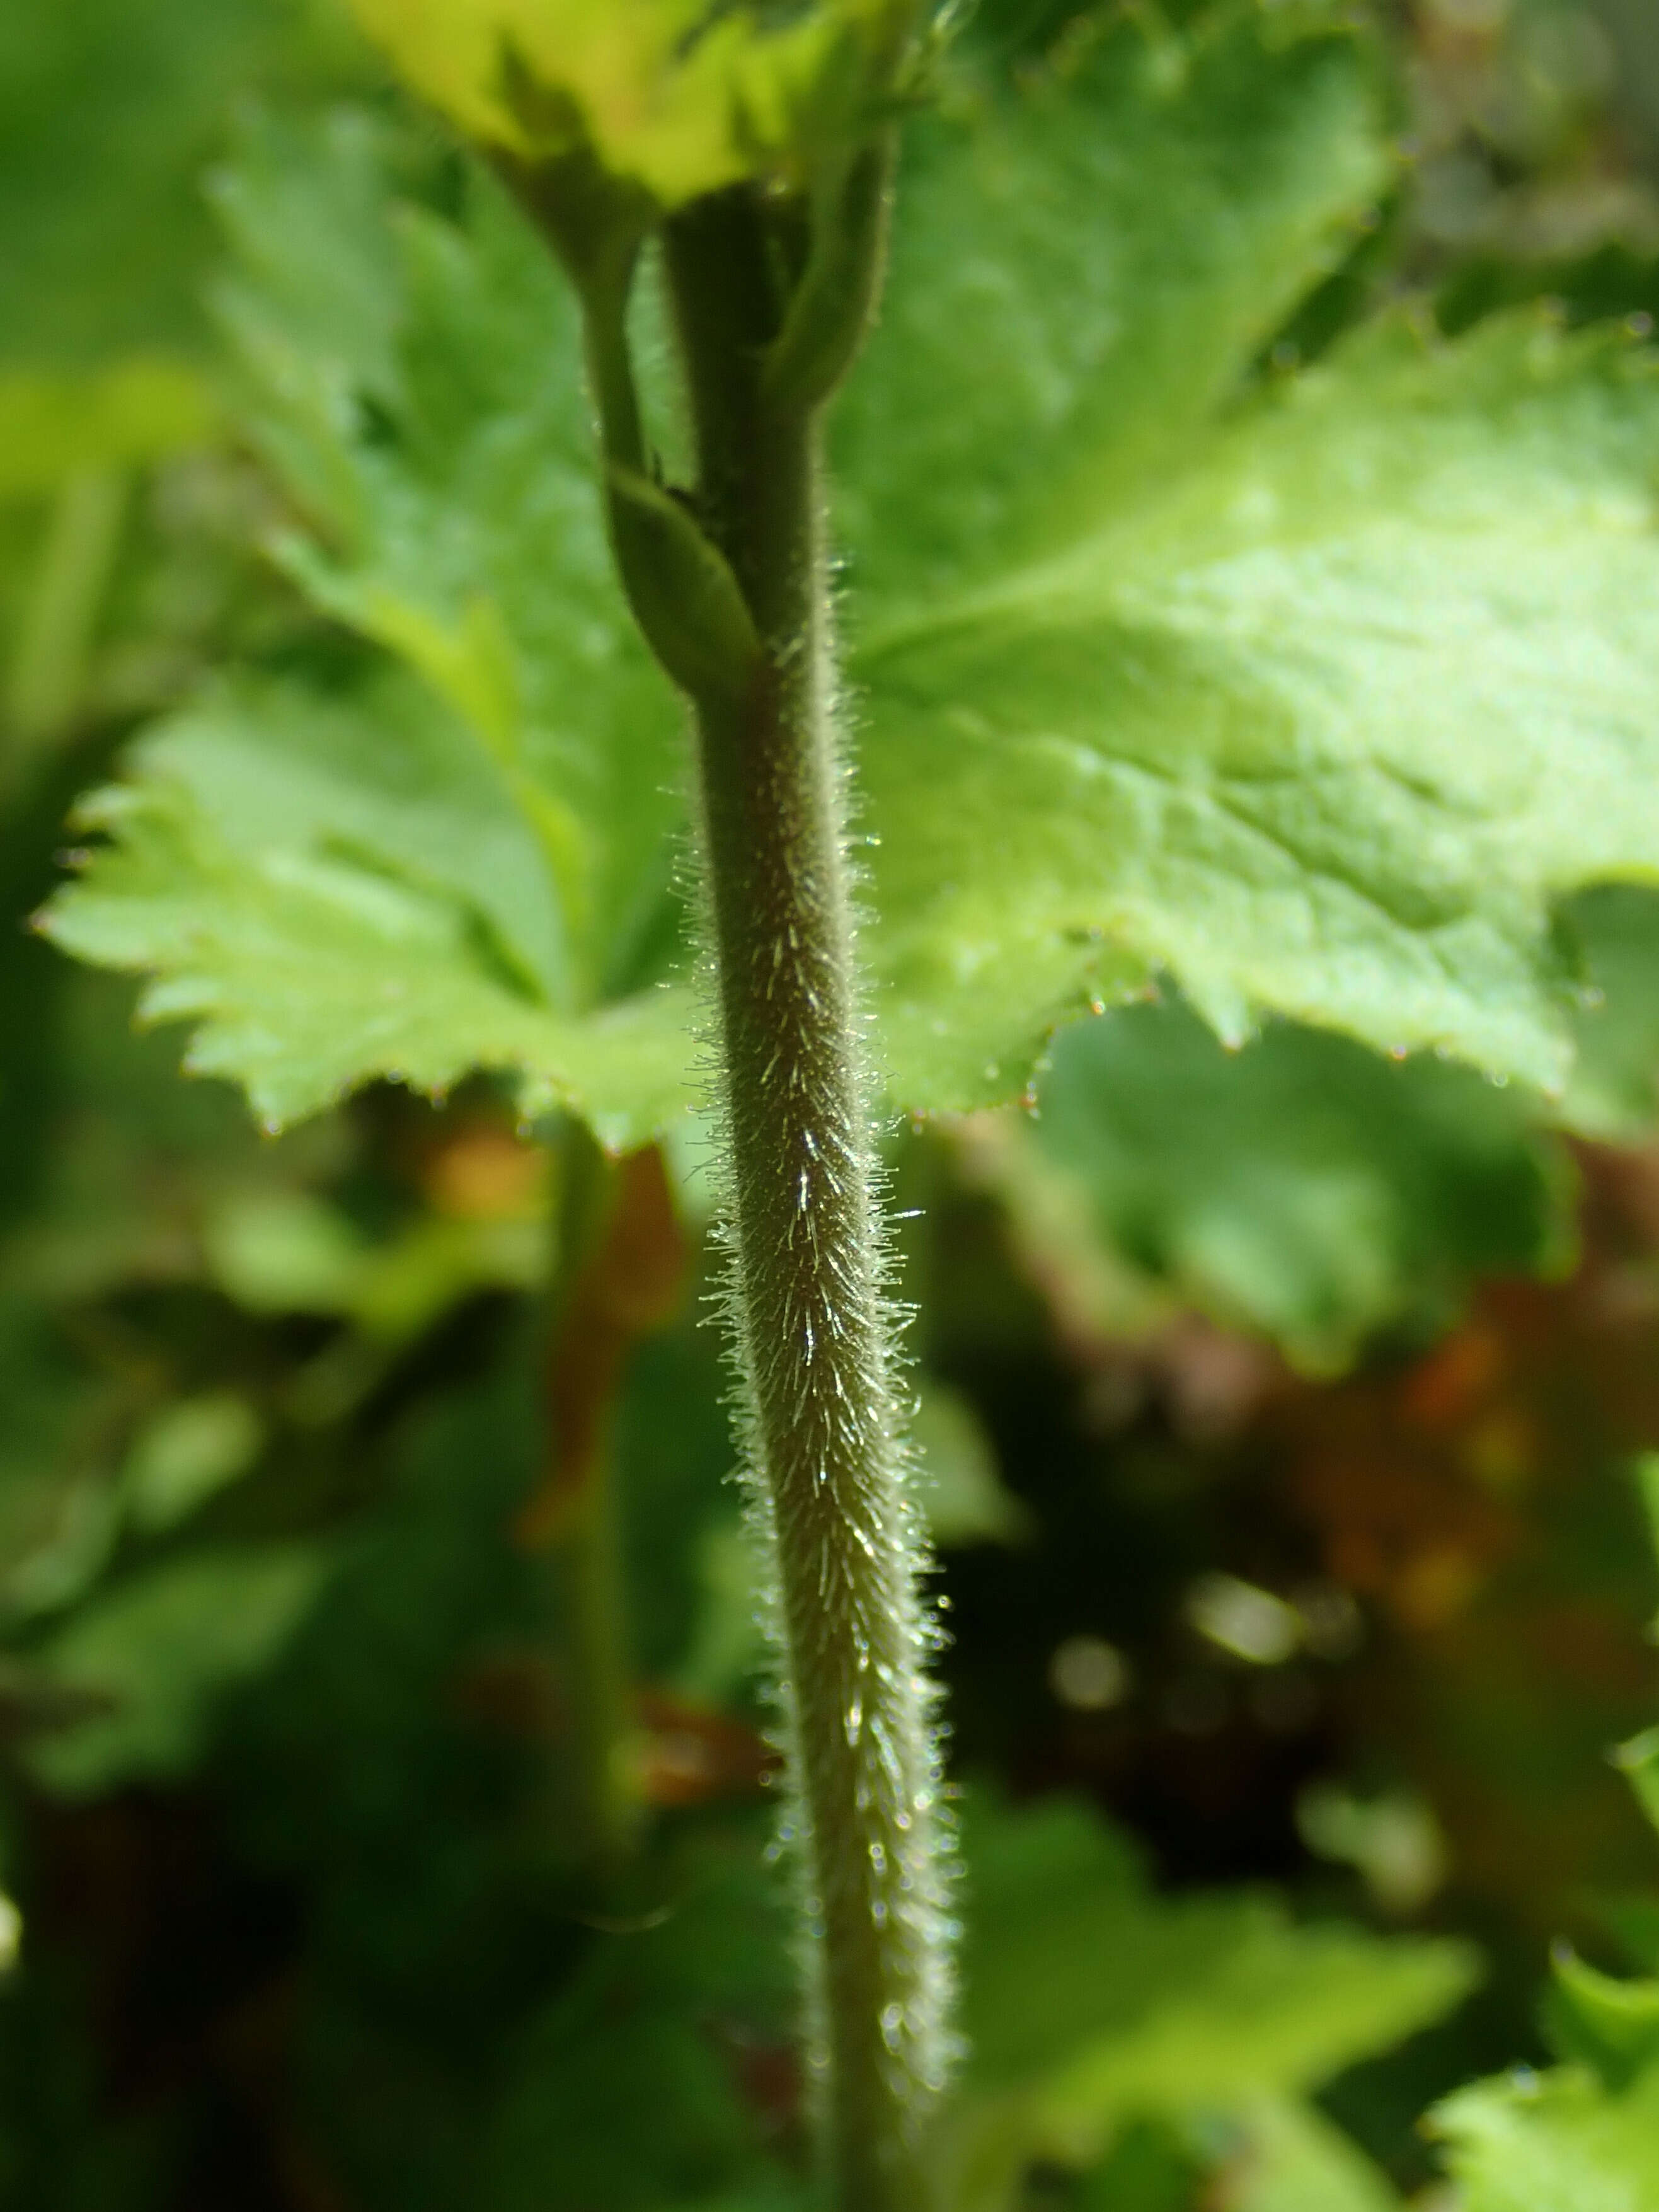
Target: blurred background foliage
x=1282 y=1408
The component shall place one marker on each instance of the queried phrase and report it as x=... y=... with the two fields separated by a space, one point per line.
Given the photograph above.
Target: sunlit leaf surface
x=1315 y=695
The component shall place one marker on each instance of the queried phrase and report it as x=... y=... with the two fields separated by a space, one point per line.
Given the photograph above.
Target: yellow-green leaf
x=680 y=97
x=137 y=411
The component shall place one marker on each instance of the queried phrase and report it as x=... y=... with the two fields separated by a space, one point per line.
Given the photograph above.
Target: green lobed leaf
x=1302 y=1186
x=1318 y=701
x=164 y=1648
x=1553 y=2143
x=463 y=857
x=329 y=892
x=1316 y=695
x=1322 y=729
x=416 y=385
x=1087 y=2001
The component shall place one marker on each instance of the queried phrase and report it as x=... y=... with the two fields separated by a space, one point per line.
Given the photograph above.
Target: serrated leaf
x=1556 y=2143
x=681 y=96
x=468 y=863
x=1316 y=700
x=1119 y=240
x=417 y=387
x=1317 y=704
x=1086 y=2000
x=329 y=891
x=1322 y=730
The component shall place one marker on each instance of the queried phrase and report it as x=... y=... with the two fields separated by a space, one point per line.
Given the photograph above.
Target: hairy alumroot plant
x=754 y=142
x=811 y=1322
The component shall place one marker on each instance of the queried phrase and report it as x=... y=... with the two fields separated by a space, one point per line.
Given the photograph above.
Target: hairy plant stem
x=811 y=1319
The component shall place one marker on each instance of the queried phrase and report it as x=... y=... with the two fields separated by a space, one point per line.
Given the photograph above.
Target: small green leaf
x=331 y=891
x=1614 y=1091
x=1294 y=2161
x=1611 y=2026
x=187 y=1455
x=1554 y=2143
x=688 y=603
x=164 y=1650
x=1086 y=2000
x=1303 y=1186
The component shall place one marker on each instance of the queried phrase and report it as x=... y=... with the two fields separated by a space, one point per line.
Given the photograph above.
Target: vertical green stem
x=575 y=1515
x=618 y=1262
x=811 y=1316
x=60 y=614
x=607 y=1799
